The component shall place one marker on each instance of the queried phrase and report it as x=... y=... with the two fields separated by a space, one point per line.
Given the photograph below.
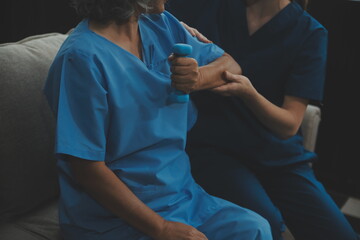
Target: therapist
x=247 y=145
x=120 y=140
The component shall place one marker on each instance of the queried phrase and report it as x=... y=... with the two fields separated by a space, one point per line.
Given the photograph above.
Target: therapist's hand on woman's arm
x=106 y=188
x=284 y=121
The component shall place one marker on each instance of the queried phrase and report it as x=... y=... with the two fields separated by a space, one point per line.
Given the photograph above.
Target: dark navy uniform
x=236 y=157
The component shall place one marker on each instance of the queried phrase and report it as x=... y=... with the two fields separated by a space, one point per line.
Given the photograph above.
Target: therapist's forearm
x=106 y=188
x=212 y=74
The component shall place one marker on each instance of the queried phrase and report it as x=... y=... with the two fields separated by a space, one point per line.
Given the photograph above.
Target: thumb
x=230 y=77
x=171 y=57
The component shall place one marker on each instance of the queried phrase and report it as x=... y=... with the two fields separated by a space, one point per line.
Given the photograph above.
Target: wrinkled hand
x=179 y=231
x=238 y=85
x=195 y=33
x=185 y=73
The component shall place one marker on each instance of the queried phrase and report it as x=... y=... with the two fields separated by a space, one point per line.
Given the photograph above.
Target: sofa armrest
x=310 y=126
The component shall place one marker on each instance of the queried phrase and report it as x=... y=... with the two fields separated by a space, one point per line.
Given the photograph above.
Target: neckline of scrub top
x=281 y=20
x=143 y=60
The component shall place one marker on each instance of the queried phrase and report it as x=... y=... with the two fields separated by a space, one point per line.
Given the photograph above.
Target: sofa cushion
x=27 y=166
x=38 y=224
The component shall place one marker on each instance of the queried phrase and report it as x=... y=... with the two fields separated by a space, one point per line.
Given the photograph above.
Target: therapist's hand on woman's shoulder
x=238 y=85
x=195 y=33
x=179 y=231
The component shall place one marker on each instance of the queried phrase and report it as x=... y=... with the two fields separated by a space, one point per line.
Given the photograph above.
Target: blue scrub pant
x=231 y=222
x=289 y=195
x=227 y=221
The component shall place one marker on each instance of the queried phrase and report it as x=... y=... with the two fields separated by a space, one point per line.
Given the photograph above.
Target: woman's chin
x=157 y=11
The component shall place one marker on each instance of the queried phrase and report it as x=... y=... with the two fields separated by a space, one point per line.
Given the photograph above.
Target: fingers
x=231 y=77
x=201 y=37
x=222 y=90
x=195 y=33
x=237 y=86
x=180 y=231
x=181 y=70
x=182 y=61
x=184 y=73
x=184 y=69
x=196 y=234
x=183 y=83
x=171 y=57
x=189 y=29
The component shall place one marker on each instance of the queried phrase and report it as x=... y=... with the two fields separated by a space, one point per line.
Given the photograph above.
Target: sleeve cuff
x=83 y=154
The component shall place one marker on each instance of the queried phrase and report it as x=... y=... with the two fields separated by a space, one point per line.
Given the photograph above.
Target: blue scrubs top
x=111 y=106
x=287 y=56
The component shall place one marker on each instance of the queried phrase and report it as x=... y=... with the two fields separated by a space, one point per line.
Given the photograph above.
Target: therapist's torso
x=284 y=57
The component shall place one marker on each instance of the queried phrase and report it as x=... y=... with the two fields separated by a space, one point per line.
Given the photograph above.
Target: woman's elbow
x=232 y=65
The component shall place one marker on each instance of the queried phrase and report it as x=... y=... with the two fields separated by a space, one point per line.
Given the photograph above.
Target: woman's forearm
x=212 y=74
x=106 y=188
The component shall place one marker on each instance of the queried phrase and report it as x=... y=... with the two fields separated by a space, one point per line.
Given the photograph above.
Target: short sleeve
x=307 y=75
x=204 y=53
x=82 y=109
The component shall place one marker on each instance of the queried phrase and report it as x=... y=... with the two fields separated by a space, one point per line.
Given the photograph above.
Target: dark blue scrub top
x=287 y=56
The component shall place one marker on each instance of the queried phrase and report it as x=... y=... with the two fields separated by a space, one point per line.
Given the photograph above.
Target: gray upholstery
x=28 y=178
x=38 y=224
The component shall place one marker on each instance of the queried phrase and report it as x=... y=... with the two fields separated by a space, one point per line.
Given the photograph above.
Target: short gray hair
x=104 y=11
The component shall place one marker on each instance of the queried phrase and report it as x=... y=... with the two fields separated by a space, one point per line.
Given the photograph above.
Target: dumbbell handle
x=180 y=50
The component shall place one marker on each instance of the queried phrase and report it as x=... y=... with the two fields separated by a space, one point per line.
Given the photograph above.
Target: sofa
x=28 y=177
x=29 y=189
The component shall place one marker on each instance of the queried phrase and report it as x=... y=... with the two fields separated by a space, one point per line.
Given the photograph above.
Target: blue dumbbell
x=180 y=50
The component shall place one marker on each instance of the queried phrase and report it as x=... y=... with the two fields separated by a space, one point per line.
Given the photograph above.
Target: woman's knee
x=256 y=226
x=261 y=228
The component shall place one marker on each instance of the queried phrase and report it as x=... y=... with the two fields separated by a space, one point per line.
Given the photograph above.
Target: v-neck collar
x=85 y=26
x=281 y=20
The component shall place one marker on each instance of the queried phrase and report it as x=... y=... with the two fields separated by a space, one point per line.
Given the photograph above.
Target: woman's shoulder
x=165 y=23
x=81 y=41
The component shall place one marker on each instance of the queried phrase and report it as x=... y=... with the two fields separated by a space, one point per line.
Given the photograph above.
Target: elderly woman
x=120 y=142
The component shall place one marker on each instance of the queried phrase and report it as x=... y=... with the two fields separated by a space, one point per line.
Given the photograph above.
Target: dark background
x=337 y=145
x=23 y=18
